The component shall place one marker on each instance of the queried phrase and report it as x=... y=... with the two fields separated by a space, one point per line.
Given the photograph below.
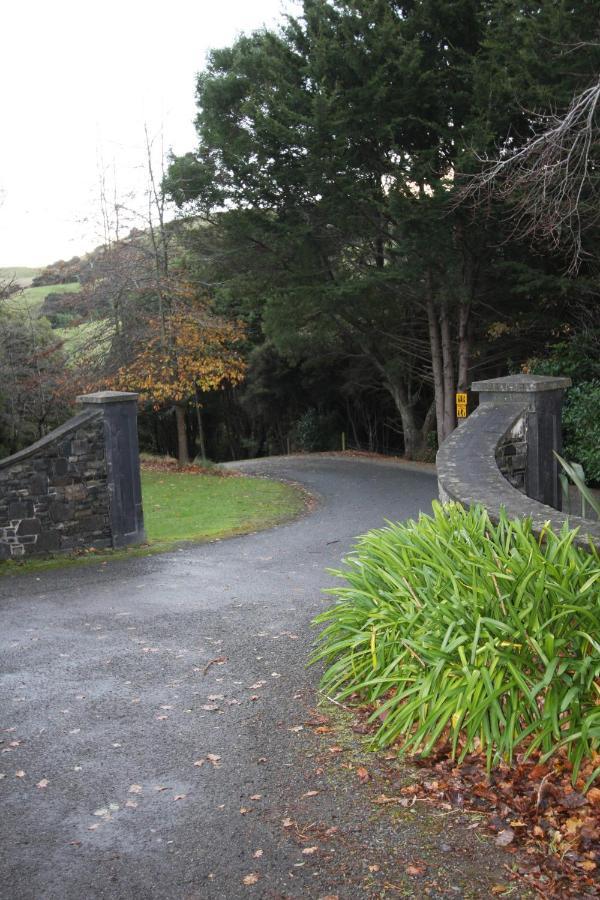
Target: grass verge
x=191 y=507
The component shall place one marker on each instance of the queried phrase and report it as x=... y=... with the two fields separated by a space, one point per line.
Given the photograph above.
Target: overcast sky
x=78 y=80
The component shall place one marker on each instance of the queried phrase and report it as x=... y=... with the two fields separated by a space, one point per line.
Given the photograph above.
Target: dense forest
x=345 y=248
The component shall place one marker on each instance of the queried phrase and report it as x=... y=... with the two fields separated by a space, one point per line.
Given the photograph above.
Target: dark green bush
x=581 y=424
x=463 y=631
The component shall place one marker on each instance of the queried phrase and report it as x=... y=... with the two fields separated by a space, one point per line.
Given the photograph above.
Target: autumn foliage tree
x=183 y=354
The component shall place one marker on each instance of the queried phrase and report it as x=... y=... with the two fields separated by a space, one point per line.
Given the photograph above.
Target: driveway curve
x=159 y=738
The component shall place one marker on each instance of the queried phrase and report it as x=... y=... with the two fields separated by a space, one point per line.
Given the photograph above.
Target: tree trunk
x=448 y=365
x=437 y=367
x=412 y=434
x=200 y=426
x=182 y=447
x=464 y=346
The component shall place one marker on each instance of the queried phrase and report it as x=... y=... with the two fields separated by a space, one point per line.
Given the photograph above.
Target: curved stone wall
x=468 y=461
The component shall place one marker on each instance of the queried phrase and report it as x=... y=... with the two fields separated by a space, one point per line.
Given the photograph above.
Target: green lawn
x=184 y=507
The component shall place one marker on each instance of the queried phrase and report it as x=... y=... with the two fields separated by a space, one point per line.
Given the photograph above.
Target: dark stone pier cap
x=523 y=412
x=119 y=411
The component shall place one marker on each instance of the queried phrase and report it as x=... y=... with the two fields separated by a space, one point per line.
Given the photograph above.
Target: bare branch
x=551 y=182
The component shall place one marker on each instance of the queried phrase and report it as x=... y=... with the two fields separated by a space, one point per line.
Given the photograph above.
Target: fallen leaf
x=20 y=774
x=363 y=775
x=214 y=759
x=373 y=868
x=287 y=822
x=335 y=749
x=318 y=720
x=131 y=804
x=310 y=794
x=296 y=728
x=244 y=810
x=159 y=787
x=415 y=870
x=505 y=837
x=573 y=800
x=217 y=661
x=252 y=878
x=209 y=707
x=43 y=783
x=499 y=888
x=256 y=797
x=257 y=854
x=199 y=762
x=382 y=799
x=593 y=795
x=587 y=865
x=179 y=796
x=308 y=851
x=215 y=697
x=135 y=789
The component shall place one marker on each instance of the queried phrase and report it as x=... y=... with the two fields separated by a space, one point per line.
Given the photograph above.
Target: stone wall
x=53 y=494
x=502 y=457
x=76 y=488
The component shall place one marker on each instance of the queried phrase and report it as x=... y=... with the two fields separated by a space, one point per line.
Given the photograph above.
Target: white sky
x=78 y=80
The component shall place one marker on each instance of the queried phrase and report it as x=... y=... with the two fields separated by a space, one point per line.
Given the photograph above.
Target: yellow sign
x=461 y=406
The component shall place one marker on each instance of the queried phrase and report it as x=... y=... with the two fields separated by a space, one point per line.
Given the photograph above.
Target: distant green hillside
x=21 y=274
x=33 y=297
x=18 y=272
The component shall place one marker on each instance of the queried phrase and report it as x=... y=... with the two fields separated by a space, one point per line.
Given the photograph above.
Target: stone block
x=4 y=550
x=92 y=523
x=48 y=540
x=61 y=511
x=29 y=526
x=39 y=484
x=77 y=491
x=20 y=509
x=60 y=466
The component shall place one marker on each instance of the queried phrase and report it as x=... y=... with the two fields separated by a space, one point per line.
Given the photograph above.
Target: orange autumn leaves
x=184 y=353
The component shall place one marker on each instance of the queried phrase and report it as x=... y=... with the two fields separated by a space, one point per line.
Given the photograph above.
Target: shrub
x=463 y=631
x=581 y=423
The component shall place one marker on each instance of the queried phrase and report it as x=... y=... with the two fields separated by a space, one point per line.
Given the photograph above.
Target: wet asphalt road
x=106 y=706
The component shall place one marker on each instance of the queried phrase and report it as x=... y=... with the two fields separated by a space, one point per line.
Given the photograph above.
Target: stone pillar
x=542 y=397
x=119 y=410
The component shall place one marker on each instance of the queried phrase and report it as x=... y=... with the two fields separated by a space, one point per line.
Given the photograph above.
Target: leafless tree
x=551 y=182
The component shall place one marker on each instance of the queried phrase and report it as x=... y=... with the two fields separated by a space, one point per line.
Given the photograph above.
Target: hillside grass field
x=31 y=298
x=22 y=274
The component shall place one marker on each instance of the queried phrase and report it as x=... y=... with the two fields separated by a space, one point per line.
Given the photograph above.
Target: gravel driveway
x=160 y=731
